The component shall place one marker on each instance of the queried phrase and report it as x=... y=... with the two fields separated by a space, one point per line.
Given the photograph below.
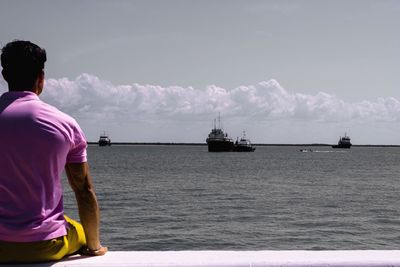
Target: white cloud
x=89 y=96
x=93 y=102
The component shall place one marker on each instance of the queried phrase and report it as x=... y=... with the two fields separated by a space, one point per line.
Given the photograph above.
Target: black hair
x=22 y=62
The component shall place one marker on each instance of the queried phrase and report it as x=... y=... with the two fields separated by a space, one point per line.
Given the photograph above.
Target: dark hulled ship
x=217 y=140
x=344 y=142
x=104 y=140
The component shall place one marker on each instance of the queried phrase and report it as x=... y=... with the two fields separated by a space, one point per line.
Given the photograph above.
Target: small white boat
x=243 y=145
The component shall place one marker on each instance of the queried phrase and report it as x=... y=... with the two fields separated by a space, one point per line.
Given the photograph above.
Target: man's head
x=23 y=64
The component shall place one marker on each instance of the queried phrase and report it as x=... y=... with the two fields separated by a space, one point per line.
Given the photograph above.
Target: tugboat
x=244 y=145
x=344 y=142
x=104 y=140
x=217 y=140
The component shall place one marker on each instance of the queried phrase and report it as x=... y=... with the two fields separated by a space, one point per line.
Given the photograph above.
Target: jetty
x=266 y=258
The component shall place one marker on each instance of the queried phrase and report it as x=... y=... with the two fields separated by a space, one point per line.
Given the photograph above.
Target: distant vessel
x=306 y=150
x=344 y=142
x=217 y=140
x=243 y=145
x=104 y=140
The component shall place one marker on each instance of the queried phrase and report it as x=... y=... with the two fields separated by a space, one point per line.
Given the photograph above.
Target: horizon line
x=255 y=144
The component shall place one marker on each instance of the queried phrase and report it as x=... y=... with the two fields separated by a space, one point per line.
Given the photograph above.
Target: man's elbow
x=84 y=191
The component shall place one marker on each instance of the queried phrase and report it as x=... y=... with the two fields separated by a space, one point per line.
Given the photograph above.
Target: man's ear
x=41 y=77
x=40 y=83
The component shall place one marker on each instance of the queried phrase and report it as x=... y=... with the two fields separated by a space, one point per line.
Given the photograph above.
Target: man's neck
x=23 y=90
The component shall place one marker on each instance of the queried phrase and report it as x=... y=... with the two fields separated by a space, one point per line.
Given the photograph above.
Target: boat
x=218 y=140
x=104 y=140
x=243 y=145
x=344 y=142
x=306 y=150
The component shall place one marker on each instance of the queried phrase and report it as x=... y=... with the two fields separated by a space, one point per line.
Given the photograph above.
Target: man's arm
x=81 y=182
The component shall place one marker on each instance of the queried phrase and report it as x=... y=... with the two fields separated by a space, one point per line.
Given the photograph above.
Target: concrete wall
x=297 y=258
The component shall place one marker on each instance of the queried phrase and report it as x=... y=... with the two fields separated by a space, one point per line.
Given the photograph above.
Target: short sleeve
x=77 y=153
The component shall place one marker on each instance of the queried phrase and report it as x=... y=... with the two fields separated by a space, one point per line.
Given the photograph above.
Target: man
x=38 y=142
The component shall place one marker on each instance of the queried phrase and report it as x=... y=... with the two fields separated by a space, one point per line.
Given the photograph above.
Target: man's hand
x=98 y=252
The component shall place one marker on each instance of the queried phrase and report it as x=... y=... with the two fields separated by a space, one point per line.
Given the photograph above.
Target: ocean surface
x=185 y=198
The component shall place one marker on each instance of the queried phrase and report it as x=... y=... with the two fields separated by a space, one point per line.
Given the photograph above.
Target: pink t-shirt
x=37 y=140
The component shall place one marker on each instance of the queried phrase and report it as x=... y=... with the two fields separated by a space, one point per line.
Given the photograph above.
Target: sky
x=160 y=71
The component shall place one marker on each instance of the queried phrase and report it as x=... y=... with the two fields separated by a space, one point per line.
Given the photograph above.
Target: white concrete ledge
x=295 y=258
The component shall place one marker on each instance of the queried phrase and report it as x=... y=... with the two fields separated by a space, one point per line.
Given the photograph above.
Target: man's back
x=37 y=142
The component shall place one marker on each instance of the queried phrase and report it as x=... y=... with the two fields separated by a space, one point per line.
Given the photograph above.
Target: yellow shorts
x=48 y=250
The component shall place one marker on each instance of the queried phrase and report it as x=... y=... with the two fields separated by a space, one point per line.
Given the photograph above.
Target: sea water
x=185 y=198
